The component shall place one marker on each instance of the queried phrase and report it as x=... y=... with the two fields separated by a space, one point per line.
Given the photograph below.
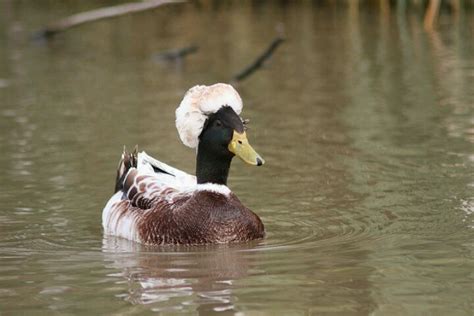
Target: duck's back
x=203 y=217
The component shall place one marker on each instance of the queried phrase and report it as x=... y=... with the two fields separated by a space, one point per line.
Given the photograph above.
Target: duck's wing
x=147 y=163
x=147 y=180
x=145 y=184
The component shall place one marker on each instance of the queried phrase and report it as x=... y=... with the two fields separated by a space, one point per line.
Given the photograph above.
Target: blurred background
x=364 y=115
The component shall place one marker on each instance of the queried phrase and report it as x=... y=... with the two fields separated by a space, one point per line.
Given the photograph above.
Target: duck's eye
x=218 y=123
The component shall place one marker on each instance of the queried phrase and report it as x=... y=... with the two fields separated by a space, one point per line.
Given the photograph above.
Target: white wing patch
x=116 y=221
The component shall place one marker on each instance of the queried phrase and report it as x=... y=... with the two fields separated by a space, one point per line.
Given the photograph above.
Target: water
x=365 y=120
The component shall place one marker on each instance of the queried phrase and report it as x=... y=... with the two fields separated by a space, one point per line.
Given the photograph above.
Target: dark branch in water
x=260 y=60
x=174 y=54
x=99 y=14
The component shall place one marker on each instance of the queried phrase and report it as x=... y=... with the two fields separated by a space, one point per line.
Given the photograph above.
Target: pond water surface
x=366 y=123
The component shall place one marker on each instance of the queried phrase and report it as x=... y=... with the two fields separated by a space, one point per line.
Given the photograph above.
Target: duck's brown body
x=202 y=218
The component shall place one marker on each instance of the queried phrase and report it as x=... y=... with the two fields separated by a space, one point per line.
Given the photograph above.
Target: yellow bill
x=239 y=145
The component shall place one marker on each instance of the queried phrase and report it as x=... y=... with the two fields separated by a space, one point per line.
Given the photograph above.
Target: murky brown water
x=365 y=120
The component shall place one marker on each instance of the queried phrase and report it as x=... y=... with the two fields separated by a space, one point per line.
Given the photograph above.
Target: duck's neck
x=210 y=169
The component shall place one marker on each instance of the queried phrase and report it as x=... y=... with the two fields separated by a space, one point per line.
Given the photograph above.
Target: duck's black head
x=223 y=136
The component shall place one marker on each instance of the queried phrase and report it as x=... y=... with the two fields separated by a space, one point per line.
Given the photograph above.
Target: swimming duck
x=157 y=204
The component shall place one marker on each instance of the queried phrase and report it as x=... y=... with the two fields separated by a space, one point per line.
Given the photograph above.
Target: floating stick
x=99 y=14
x=259 y=61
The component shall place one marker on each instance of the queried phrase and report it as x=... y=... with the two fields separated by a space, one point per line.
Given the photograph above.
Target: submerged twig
x=99 y=14
x=176 y=53
x=259 y=61
x=431 y=14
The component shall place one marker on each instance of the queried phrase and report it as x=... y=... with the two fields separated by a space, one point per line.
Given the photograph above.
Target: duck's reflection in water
x=184 y=278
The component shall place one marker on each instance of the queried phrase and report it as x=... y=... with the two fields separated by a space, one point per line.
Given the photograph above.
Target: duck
x=156 y=204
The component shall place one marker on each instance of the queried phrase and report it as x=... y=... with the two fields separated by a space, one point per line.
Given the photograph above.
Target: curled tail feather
x=127 y=161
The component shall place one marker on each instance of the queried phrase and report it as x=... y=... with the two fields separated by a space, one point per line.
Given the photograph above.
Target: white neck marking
x=212 y=187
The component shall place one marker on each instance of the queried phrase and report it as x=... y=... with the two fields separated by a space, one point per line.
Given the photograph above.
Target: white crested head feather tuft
x=198 y=103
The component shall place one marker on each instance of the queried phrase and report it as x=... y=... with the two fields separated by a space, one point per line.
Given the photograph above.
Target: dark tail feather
x=128 y=160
